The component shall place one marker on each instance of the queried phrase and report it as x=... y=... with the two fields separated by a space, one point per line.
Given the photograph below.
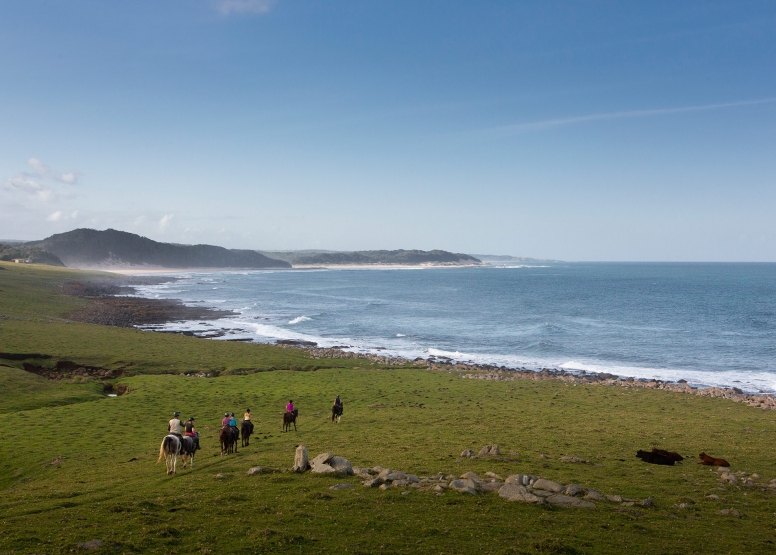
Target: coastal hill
x=403 y=257
x=30 y=255
x=90 y=248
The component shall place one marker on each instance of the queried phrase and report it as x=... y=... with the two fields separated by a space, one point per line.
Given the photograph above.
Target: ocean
x=710 y=324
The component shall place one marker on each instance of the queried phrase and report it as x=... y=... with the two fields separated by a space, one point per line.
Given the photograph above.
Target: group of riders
x=178 y=428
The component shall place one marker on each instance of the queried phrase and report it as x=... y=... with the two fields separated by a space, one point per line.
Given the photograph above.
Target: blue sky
x=568 y=130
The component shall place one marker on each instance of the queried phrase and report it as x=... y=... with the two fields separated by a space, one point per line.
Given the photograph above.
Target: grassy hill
x=404 y=257
x=93 y=248
x=77 y=466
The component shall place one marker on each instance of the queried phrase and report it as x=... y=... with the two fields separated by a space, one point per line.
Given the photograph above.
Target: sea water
x=711 y=324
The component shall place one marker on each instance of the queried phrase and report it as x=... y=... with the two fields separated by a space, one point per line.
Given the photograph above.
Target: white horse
x=169 y=451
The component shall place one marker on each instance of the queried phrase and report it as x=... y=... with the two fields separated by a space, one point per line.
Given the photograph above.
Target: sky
x=567 y=130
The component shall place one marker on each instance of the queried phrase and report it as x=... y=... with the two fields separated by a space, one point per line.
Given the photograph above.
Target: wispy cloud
x=520 y=128
x=165 y=221
x=227 y=7
x=26 y=186
x=44 y=170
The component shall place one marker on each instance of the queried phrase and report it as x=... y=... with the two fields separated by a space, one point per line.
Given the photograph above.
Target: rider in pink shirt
x=290 y=406
x=225 y=421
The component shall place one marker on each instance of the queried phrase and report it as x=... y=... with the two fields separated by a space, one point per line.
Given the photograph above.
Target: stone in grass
x=731 y=512
x=464 y=486
x=373 y=483
x=324 y=469
x=341 y=465
x=471 y=476
x=713 y=497
x=219 y=476
x=568 y=501
x=338 y=487
x=91 y=545
x=323 y=458
x=573 y=490
x=548 y=485
x=491 y=486
x=400 y=483
x=301 y=464
x=405 y=492
x=438 y=488
x=521 y=479
x=648 y=502
x=614 y=498
x=493 y=475
x=572 y=459
x=385 y=487
x=515 y=492
x=254 y=471
x=593 y=495
x=467 y=454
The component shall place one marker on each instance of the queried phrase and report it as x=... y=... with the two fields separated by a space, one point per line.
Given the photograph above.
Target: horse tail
x=163 y=450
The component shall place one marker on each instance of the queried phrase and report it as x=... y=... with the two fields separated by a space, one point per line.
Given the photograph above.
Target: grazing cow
x=654 y=458
x=706 y=460
x=673 y=455
x=290 y=418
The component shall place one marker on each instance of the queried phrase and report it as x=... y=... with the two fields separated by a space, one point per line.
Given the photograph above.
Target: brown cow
x=706 y=460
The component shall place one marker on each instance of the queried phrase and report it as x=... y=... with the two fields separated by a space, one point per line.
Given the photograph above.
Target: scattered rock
x=301 y=464
x=614 y=498
x=385 y=487
x=91 y=545
x=405 y=492
x=373 y=483
x=219 y=476
x=400 y=483
x=57 y=461
x=471 y=476
x=491 y=486
x=731 y=512
x=573 y=490
x=493 y=475
x=341 y=466
x=323 y=458
x=543 y=456
x=572 y=459
x=713 y=497
x=548 y=485
x=683 y=506
x=489 y=451
x=593 y=495
x=521 y=479
x=338 y=487
x=568 y=501
x=467 y=454
x=648 y=502
x=510 y=490
x=438 y=488
x=323 y=469
x=254 y=471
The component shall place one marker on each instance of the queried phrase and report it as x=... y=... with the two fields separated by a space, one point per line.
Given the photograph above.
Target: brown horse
x=706 y=460
x=290 y=418
x=246 y=429
x=228 y=438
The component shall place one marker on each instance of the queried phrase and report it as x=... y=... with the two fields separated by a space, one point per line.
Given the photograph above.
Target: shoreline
x=138 y=271
x=108 y=308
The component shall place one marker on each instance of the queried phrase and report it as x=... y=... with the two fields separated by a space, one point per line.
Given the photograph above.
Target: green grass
x=108 y=485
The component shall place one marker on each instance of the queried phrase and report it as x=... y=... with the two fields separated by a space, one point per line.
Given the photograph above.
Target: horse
x=706 y=460
x=169 y=451
x=336 y=413
x=228 y=440
x=290 y=418
x=246 y=430
x=188 y=448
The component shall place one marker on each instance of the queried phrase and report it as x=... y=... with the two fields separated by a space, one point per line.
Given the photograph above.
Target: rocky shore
x=496 y=373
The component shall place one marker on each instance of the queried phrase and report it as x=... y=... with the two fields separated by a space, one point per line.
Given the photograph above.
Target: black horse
x=188 y=448
x=336 y=413
x=246 y=429
x=290 y=418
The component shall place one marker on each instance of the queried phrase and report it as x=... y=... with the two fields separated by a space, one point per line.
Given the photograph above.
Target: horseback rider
x=232 y=421
x=290 y=406
x=226 y=420
x=338 y=402
x=175 y=426
x=247 y=418
x=191 y=432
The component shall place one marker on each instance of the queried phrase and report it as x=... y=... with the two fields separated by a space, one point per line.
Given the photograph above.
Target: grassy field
x=106 y=484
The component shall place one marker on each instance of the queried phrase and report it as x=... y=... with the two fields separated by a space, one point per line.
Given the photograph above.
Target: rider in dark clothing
x=191 y=432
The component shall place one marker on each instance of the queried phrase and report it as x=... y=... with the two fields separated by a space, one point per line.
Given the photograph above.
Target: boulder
x=467 y=454
x=547 y=485
x=568 y=501
x=301 y=464
x=491 y=486
x=323 y=458
x=495 y=451
x=573 y=490
x=471 y=476
x=508 y=491
x=438 y=488
x=254 y=471
x=400 y=483
x=614 y=498
x=324 y=469
x=572 y=459
x=341 y=465
x=520 y=479
x=414 y=479
x=395 y=475
x=489 y=450
x=593 y=495
x=464 y=485
x=373 y=482
x=383 y=473
x=338 y=487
